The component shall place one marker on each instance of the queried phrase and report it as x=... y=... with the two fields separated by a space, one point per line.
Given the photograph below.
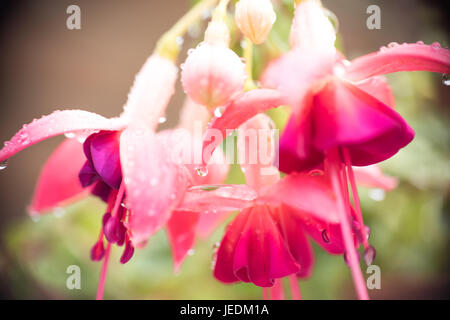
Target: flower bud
x=311 y=29
x=212 y=75
x=255 y=19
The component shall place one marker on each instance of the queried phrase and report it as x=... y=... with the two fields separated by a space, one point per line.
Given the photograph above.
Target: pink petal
x=261 y=254
x=216 y=199
x=57 y=123
x=207 y=223
x=256 y=147
x=223 y=269
x=373 y=177
x=58 y=183
x=153 y=87
x=236 y=113
x=405 y=57
x=379 y=88
x=345 y=116
x=184 y=148
x=154 y=186
x=294 y=73
x=327 y=235
x=181 y=232
x=292 y=231
x=302 y=192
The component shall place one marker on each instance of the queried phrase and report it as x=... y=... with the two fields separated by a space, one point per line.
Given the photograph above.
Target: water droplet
x=179 y=40
x=369 y=255
x=436 y=45
x=190 y=51
x=124 y=205
x=316 y=173
x=377 y=194
x=383 y=49
x=218 y=112
x=70 y=135
x=325 y=237
x=243 y=60
x=202 y=171
x=210 y=187
x=190 y=252
x=162 y=119
x=392 y=45
x=3 y=164
x=58 y=212
x=446 y=79
x=419 y=42
x=346 y=258
x=243 y=44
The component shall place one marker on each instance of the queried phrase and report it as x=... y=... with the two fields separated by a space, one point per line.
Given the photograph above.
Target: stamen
x=118 y=200
x=295 y=289
x=266 y=293
x=334 y=162
x=127 y=253
x=351 y=178
x=101 y=282
x=276 y=291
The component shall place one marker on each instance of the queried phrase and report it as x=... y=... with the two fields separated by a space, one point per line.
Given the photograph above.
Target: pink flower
x=342 y=111
x=267 y=240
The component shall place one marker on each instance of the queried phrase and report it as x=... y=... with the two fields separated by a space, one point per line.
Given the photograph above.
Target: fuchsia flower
x=122 y=160
x=342 y=111
x=267 y=240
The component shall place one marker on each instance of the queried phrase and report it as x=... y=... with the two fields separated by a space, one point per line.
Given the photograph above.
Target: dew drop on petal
x=346 y=258
x=162 y=119
x=180 y=41
x=202 y=171
x=420 y=42
x=369 y=255
x=70 y=135
x=325 y=237
x=218 y=112
x=446 y=79
x=316 y=173
x=392 y=45
x=436 y=45
x=3 y=164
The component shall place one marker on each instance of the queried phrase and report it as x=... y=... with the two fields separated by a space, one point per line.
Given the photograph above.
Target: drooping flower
x=267 y=240
x=255 y=19
x=341 y=113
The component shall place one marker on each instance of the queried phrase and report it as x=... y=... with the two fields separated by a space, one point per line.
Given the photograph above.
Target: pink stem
x=358 y=279
x=266 y=294
x=276 y=292
x=101 y=282
x=351 y=178
x=295 y=289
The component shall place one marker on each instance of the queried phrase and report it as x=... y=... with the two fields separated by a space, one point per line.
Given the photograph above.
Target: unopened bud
x=212 y=75
x=255 y=19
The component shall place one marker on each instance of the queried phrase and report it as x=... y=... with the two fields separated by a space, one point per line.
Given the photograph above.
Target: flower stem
x=334 y=162
x=248 y=56
x=295 y=289
x=101 y=282
x=167 y=45
x=351 y=178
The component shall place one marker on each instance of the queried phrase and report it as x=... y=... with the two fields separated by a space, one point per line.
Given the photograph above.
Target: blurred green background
x=45 y=67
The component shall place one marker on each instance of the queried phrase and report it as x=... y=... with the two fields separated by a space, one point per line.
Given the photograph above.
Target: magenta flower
x=122 y=160
x=267 y=240
x=342 y=113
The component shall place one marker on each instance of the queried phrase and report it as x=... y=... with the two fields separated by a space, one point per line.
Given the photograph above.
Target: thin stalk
x=358 y=279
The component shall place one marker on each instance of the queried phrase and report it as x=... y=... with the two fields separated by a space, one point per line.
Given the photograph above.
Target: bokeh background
x=44 y=66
